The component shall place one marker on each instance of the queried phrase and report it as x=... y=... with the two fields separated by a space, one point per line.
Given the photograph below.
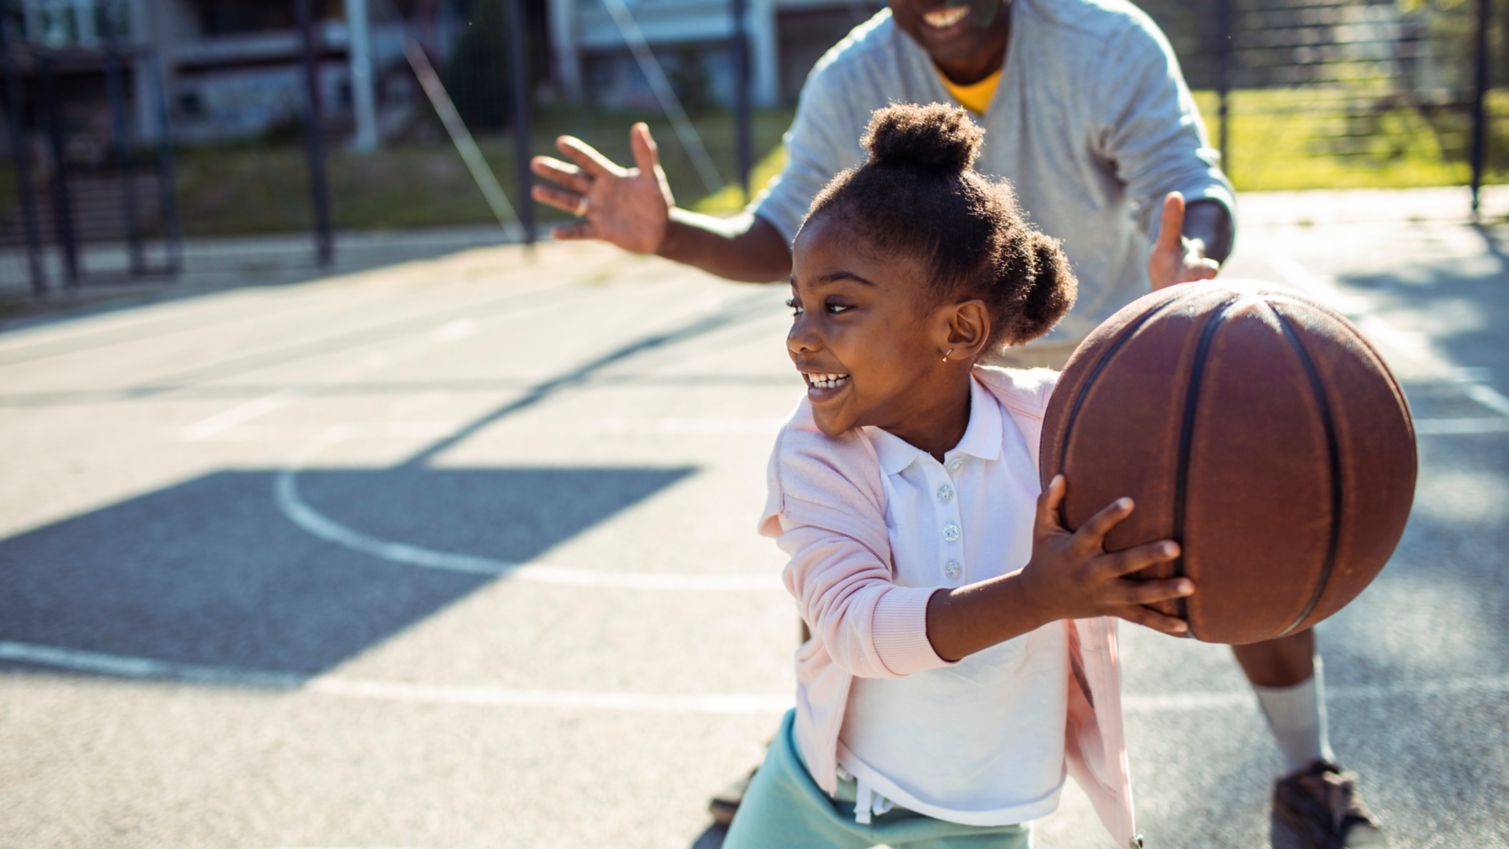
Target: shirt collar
x=982 y=436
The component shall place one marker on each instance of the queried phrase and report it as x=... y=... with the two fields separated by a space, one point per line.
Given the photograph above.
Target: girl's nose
x=801 y=339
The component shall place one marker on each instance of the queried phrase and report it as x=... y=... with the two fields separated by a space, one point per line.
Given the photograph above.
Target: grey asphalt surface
x=459 y=552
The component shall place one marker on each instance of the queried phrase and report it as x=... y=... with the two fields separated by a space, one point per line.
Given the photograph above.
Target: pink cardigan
x=826 y=505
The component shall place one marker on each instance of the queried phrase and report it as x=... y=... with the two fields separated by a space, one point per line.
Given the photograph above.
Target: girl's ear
x=968 y=330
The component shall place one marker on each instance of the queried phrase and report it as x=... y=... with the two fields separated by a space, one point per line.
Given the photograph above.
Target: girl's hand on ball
x=1072 y=576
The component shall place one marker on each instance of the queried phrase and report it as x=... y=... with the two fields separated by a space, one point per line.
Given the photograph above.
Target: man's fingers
x=585 y=155
x=563 y=200
x=1204 y=269
x=646 y=152
x=579 y=230
x=1171 y=228
x=563 y=173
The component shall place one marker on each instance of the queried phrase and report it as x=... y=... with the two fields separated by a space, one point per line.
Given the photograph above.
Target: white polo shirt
x=981 y=741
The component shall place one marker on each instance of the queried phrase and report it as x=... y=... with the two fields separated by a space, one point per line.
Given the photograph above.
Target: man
x=1088 y=115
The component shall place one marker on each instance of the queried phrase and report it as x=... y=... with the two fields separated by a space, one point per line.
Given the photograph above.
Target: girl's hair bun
x=934 y=137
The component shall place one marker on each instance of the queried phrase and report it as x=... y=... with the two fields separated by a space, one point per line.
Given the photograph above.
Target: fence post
x=123 y=157
x=1479 y=118
x=741 y=94
x=1223 y=79
x=62 y=203
x=519 y=70
x=166 y=170
x=314 y=142
x=21 y=150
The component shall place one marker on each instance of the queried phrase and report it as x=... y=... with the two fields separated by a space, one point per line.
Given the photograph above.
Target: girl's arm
x=871 y=627
x=1070 y=576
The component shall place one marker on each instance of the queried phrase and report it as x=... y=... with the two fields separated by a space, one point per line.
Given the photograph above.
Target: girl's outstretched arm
x=1070 y=576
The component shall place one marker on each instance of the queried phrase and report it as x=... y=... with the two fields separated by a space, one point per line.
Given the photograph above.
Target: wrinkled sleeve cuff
x=900 y=631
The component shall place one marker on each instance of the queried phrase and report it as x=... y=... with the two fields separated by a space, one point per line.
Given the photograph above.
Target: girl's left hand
x=1176 y=258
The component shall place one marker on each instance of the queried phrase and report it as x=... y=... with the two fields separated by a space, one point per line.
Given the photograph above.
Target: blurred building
x=228 y=69
x=593 y=44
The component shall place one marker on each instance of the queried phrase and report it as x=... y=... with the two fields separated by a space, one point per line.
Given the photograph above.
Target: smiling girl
x=963 y=649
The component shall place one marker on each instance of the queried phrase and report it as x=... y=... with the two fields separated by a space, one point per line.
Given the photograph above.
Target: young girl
x=963 y=650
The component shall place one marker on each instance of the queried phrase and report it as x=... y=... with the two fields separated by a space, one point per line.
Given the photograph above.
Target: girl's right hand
x=1072 y=576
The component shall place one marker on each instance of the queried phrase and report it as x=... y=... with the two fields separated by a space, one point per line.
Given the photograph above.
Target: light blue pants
x=785 y=809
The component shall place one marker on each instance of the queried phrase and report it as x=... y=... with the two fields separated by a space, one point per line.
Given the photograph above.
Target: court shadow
x=241 y=570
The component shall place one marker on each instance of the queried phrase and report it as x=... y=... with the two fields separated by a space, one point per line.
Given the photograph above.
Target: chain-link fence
x=125 y=117
x=1341 y=93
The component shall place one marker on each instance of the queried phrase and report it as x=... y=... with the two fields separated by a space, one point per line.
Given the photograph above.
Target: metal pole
x=122 y=158
x=62 y=204
x=1479 y=117
x=518 y=64
x=363 y=97
x=21 y=150
x=314 y=142
x=165 y=173
x=1223 y=79
x=741 y=93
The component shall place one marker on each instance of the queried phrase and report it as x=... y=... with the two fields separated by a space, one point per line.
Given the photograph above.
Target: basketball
x=1256 y=427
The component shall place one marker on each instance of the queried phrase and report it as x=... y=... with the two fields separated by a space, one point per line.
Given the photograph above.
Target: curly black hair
x=919 y=195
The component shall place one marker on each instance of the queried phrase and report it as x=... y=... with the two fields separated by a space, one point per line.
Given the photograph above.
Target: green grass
x=1288 y=139
x=266 y=189
x=1280 y=139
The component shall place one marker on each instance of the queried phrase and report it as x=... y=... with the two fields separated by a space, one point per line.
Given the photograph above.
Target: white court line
x=1461 y=427
x=221 y=422
x=1489 y=397
x=334 y=686
x=444 y=334
x=293 y=506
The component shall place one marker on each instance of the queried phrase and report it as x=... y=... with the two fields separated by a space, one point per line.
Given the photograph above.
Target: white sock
x=1297 y=717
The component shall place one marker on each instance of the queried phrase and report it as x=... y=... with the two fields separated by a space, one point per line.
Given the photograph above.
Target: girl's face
x=866 y=343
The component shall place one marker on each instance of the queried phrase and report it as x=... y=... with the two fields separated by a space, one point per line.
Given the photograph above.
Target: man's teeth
x=826 y=381
x=944 y=18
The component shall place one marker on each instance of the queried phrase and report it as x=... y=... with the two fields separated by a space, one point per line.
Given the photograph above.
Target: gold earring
x=946 y=353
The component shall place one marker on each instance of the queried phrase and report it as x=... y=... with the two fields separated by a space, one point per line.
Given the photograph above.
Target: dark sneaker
x=724 y=805
x=1322 y=807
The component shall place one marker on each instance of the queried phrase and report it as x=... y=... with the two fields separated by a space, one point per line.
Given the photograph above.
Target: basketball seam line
x=1186 y=441
x=1084 y=388
x=1336 y=472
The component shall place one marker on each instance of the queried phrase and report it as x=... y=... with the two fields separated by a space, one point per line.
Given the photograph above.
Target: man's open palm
x=629 y=207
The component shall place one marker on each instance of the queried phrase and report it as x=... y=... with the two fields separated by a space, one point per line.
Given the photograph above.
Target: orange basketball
x=1256 y=427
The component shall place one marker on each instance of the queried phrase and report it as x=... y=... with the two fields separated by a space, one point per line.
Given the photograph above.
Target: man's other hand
x=628 y=207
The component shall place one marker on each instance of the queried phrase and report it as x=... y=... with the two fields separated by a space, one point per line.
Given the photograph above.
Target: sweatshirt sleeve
x=1148 y=127
x=827 y=514
x=823 y=140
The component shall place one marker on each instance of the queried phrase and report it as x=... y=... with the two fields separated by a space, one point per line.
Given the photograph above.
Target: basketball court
x=459 y=552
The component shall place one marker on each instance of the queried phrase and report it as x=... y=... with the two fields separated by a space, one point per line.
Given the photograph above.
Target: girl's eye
x=794 y=306
x=834 y=307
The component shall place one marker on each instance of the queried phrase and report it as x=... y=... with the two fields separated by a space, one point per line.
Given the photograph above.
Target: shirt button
x=953 y=569
x=950 y=532
x=945 y=493
x=955 y=464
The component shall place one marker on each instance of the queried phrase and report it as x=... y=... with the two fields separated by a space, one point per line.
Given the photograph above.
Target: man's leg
x=1315 y=798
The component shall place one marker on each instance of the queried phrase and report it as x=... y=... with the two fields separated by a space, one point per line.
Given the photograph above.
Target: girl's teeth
x=827 y=381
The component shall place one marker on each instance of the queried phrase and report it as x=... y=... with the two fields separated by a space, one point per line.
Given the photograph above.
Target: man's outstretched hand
x=1176 y=258
x=628 y=207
